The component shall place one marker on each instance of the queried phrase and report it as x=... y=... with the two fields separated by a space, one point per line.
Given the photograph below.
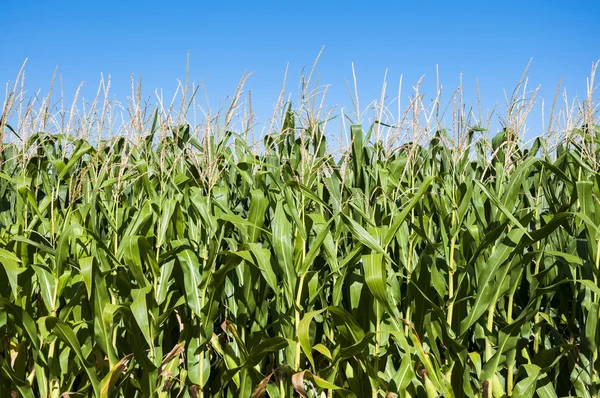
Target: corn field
x=185 y=261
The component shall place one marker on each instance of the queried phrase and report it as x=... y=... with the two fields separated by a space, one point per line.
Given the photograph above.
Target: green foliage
x=188 y=268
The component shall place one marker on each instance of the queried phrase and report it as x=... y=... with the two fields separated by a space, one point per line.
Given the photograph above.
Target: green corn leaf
x=399 y=219
x=10 y=262
x=262 y=259
x=501 y=207
x=190 y=266
x=66 y=334
x=363 y=236
x=485 y=282
x=303 y=334
x=139 y=309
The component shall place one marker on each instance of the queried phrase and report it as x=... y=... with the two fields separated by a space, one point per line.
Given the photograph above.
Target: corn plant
x=184 y=265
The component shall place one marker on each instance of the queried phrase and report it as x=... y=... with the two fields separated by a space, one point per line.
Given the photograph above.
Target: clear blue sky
x=485 y=40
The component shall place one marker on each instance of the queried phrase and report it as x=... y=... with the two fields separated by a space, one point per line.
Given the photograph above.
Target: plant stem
x=375 y=391
x=451 y=283
x=297 y=310
x=488 y=347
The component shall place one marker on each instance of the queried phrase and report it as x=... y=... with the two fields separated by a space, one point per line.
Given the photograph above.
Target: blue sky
x=484 y=40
